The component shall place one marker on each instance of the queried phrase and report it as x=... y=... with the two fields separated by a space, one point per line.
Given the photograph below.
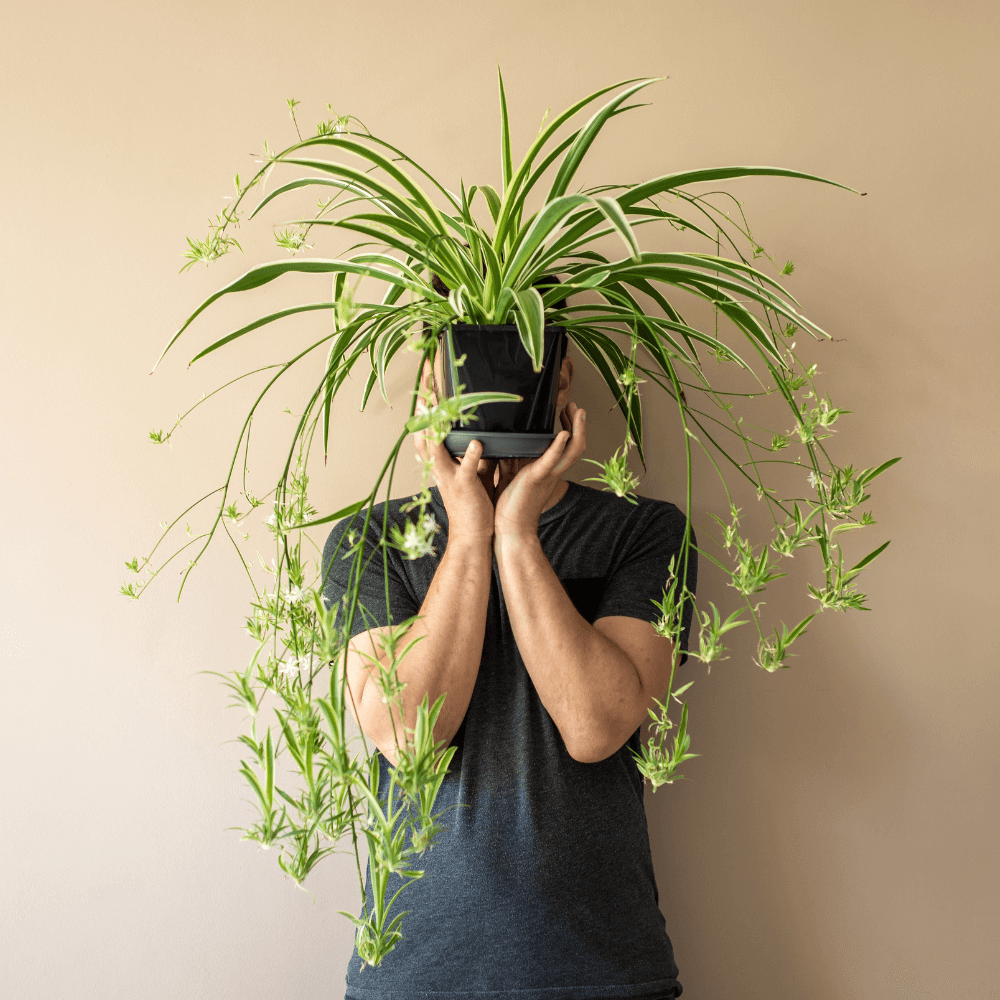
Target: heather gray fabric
x=542 y=887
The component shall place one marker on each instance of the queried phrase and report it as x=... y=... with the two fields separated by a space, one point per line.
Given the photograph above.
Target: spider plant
x=496 y=251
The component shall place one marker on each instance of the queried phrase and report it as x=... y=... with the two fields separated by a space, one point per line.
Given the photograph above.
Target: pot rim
x=505 y=327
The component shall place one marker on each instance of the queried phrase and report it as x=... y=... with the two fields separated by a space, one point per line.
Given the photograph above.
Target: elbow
x=598 y=740
x=590 y=756
x=375 y=722
x=391 y=733
x=584 y=748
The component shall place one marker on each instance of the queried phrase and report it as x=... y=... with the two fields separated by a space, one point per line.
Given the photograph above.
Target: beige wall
x=837 y=836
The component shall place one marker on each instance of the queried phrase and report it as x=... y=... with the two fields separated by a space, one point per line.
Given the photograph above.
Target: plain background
x=837 y=835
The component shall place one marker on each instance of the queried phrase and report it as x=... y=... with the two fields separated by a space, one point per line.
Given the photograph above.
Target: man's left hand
x=520 y=498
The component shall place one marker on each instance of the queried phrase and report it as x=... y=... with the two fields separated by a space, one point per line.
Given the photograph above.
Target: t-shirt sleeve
x=641 y=573
x=371 y=611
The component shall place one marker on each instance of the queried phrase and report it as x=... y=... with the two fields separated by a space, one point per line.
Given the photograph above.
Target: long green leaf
x=799 y=629
x=592 y=351
x=690 y=333
x=269 y=762
x=869 y=474
x=368 y=137
x=514 y=210
x=412 y=249
x=506 y=166
x=597 y=348
x=401 y=227
x=530 y=319
x=336 y=516
x=724 y=265
x=748 y=323
x=383 y=195
x=363 y=192
x=339 y=283
x=546 y=221
x=670 y=181
x=588 y=134
x=492 y=200
x=388 y=346
x=256 y=324
x=254 y=782
x=867 y=559
x=416 y=281
x=693 y=273
x=513 y=195
x=466 y=401
x=613 y=213
x=712 y=288
x=400 y=176
x=264 y=273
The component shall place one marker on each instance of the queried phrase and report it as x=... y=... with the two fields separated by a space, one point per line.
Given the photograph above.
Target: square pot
x=496 y=361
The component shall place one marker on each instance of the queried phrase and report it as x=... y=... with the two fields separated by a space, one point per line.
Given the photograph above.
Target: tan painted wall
x=837 y=836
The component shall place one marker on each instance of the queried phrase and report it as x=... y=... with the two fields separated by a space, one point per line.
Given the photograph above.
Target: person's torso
x=542 y=884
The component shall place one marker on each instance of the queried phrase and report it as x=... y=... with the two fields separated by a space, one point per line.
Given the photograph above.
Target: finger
x=508 y=469
x=577 y=444
x=444 y=462
x=545 y=465
x=486 y=474
x=508 y=472
x=469 y=466
x=565 y=417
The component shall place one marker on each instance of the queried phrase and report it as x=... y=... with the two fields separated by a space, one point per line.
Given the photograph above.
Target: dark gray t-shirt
x=542 y=885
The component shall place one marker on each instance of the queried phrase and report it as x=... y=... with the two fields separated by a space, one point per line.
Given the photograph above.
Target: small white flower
x=812 y=479
x=292 y=666
x=294 y=595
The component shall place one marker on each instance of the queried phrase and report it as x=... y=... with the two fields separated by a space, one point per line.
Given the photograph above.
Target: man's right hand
x=463 y=489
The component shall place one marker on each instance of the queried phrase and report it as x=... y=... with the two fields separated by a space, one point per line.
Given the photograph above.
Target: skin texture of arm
x=597 y=682
x=446 y=659
x=453 y=613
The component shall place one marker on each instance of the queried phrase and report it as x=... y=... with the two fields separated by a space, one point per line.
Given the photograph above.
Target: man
x=536 y=616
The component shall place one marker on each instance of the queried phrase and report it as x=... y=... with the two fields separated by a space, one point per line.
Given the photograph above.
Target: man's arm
x=596 y=681
x=452 y=623
x=445 y=660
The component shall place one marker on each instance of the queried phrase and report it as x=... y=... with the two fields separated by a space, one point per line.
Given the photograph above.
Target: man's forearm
x=447 y=657
x=589 y=686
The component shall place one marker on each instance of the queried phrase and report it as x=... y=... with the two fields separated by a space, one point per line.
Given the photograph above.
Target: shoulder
x=373 y=523
x=366 y=522
x=643 y=513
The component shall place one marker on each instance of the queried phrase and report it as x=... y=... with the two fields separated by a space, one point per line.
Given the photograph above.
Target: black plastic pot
x=496 y=361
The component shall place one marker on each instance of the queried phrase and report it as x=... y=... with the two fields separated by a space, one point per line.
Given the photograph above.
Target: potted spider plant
x=495 y=278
